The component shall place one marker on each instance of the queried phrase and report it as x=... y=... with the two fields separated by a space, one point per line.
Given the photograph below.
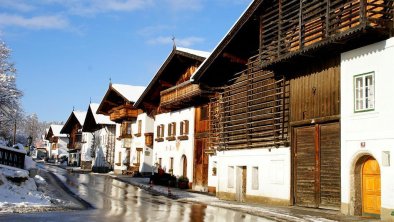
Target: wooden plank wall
x=315 y=90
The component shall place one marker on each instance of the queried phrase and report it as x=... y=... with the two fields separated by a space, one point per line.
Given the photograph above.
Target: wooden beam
x=234 y=58
x=165 y=84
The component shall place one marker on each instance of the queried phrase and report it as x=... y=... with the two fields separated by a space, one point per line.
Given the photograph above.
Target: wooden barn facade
x=277 y=74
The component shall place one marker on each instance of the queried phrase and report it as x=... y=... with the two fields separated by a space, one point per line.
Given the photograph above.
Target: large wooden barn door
x=200 y=163
x=317 y=165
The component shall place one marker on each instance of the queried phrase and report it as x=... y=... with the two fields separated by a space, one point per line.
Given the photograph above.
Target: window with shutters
x=160 y=133
x=139 y=129
x=364 y=92
x=183 y=130
x=126 y=129
x=171 y=131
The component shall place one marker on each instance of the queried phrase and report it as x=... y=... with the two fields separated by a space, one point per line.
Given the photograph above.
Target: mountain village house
x=367 y=144
x=101 y=137
x=181 y=117
x=73 y=128
x=276 y=122
x=58 y=142
x=130 y=154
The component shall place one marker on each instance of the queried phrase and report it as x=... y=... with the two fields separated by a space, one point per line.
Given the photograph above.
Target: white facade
x=267 y=175
x=368 y=133
x=176 y=149
x=101 y=143
x=137 y=146
x=86 y=150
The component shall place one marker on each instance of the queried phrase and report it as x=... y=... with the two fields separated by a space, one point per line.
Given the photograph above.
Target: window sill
x=183 y=137
x=170 y=138
x=161 y=139
x=137 y=134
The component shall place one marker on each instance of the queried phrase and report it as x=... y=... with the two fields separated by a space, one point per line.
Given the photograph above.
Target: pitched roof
x=129 y=92
x=239 y=27
x=119 y=94
x=56 y=130
x=80 y=115
x=100 y=118
x=195 y=55
x=76 y=117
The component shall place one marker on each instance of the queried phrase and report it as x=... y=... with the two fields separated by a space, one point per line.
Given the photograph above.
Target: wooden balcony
x=299 y=27
x=122 y=113
x=181 y=95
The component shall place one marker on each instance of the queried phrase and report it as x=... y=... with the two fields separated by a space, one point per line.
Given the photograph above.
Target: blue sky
x=67 y=50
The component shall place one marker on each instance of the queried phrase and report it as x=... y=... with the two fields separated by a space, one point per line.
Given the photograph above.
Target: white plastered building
x=367 y=136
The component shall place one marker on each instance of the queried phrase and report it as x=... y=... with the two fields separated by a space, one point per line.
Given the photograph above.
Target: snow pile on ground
x=29 y=163
x=18 y=190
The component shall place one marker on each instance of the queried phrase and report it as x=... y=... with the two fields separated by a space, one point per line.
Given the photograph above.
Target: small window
x=160 y=131
x=364 y=92
x=160 y=162
x=171 y=129
x=184 y=127
x=230 y=177
x=139 y=127
x=126 y=128
x=255 y=178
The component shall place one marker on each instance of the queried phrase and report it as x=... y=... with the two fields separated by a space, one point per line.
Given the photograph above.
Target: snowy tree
x=10 y=109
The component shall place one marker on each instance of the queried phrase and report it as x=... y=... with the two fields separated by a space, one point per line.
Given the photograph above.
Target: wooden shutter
x=186 y=131
x=181 y=128
x=174 y=129
x=139 y=126
x=169 y=129
x=158 y=131
x=161 y=130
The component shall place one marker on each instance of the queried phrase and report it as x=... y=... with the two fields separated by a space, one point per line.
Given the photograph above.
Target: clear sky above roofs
x=67 y=50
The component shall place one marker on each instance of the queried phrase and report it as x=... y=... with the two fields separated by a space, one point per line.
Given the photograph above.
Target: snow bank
x=29 y=163
x=39 y=180
x=20 y=195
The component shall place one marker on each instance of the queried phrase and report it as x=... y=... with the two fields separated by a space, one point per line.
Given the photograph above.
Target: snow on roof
x=100 y=118
x=80 y=115
x=131 y=93
x=194 y=52
x=56 y=130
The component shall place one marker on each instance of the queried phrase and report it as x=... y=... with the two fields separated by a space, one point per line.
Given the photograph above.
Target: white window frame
x=364 y=92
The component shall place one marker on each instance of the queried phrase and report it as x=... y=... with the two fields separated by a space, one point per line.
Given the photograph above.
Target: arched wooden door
x=371 y=187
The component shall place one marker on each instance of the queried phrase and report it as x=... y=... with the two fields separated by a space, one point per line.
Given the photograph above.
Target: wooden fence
x=12 y=157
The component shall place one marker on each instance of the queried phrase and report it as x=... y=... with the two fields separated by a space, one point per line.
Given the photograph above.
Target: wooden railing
x=124 y=112
x=178 y=93
x=291 y=26
x=12 y=157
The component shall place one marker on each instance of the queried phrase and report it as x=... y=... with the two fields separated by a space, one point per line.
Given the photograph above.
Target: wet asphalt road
x=117 y=201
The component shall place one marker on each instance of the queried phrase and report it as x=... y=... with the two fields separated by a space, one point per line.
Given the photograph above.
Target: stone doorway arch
x=358 y=181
